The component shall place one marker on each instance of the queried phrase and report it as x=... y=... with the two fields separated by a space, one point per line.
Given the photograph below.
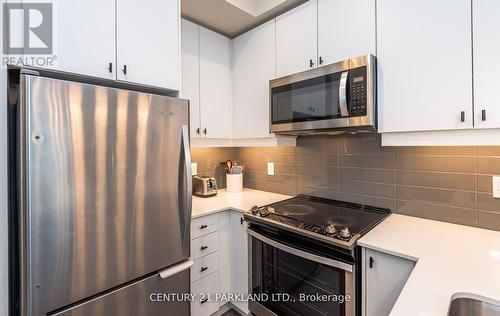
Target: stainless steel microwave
x=335 y=98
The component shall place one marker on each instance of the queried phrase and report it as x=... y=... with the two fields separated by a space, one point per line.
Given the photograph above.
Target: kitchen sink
x=465 y=306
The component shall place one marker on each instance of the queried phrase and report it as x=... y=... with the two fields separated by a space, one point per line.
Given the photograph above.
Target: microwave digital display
x=359 y=79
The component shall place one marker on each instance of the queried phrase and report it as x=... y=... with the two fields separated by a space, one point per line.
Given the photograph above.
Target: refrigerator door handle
x=185 y=194
x=176 y=269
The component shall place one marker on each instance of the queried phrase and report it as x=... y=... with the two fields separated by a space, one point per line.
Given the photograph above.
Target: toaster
x=204 y=186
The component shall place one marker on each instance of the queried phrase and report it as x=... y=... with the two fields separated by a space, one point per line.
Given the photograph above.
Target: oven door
x=290 y=281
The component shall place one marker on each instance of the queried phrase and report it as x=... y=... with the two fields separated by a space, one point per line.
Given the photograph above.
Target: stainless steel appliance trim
x=300 y=253
x=188 y=200
x=25 y=237
x=370 y=119
x=343 y=94
x=329 y=240
x=176 y=269
x=310 y=125
x=312 y=73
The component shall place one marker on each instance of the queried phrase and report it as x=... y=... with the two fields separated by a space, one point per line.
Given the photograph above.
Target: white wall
x=3 y=185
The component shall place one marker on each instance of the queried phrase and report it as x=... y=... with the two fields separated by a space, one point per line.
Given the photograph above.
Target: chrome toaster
x=204 y=186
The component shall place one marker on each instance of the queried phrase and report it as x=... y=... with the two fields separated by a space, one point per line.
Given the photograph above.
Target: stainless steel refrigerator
x=100 y=197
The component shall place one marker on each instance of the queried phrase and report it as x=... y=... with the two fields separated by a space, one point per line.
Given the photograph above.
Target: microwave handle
x=300 y=253
x=343 y=94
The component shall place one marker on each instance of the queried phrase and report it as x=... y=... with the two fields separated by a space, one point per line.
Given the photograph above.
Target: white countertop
x=241 y=201
x=450 y=259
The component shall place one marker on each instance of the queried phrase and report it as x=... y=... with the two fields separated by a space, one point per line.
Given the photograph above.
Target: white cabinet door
x=191 y=73
x=346 y=29
x=253 y=66
x=296 y=39
x=85 y=45
x=215 y=85
x=239 y=259
x=424 y=65
x=486 y=63
x=385 y=277
x=148 y=42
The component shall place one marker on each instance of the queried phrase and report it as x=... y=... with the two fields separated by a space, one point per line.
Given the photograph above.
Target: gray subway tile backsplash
x=451 y=184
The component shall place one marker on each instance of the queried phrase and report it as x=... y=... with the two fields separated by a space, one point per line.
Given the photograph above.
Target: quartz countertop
x=240 y=201
x=451 y=260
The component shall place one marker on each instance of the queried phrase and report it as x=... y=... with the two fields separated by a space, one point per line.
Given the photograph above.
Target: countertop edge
x=388 y=251
x=215 y=211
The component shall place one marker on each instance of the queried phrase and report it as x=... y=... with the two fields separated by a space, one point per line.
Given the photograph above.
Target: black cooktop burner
x=332 y=218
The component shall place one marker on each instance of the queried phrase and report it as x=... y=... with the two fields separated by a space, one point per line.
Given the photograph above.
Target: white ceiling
x=234 y=17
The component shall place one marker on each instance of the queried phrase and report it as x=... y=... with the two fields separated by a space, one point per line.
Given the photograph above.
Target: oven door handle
x=300 y=253
x=343 y=94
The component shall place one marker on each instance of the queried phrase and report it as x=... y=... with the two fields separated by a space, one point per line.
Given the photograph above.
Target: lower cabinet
x=204 y=289
x=219 y=249
x=239 y=259
x=384 y=277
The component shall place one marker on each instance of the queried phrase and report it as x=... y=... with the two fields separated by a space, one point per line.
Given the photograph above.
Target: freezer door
x=152 y=296
x=107 y=189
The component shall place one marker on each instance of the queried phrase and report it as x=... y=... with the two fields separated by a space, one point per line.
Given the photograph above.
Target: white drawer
x=204 y=225
x=204 y=266
x=204 y=245
x=207 y=285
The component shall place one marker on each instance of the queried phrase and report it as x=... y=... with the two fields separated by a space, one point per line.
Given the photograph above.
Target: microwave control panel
x=357 y=98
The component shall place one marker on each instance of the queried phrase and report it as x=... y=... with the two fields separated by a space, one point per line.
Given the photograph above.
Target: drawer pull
x=203 y=226
x=203 y=269
x=204 y=300
x=204 y=247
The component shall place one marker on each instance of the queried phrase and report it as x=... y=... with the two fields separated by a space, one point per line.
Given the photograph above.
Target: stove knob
x=345 y=233
x=254 y=210
x=331 y=229
x=263 y=212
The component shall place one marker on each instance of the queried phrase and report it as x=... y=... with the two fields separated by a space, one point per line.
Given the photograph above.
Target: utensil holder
x=234 y=182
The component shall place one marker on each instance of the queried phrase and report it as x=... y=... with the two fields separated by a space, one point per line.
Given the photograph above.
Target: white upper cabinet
x=148 y=42
x=296 y=39
x=86 y=46
x=215 y=85
x=346 y=29
x=191 y=73
x=253 y=66
x=486 y=63
x=424 y=65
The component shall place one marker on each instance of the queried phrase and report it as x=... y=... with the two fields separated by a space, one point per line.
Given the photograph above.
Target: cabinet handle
x=203 y=226
x=371 y=262
x=110 y=67
x=198 y=131
x=124 y=69
x=204 y=247
x=311 y=63
x=203 y=301
x=242 y=220
x=320 y=60
x=483 y=115
x=203 y=269
x=462 y=116
x=205 y=131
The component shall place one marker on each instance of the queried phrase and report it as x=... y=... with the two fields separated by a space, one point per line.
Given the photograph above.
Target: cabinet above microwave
x=331 y=99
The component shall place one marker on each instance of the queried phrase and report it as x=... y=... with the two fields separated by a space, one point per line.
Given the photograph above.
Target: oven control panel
x=358 y=91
